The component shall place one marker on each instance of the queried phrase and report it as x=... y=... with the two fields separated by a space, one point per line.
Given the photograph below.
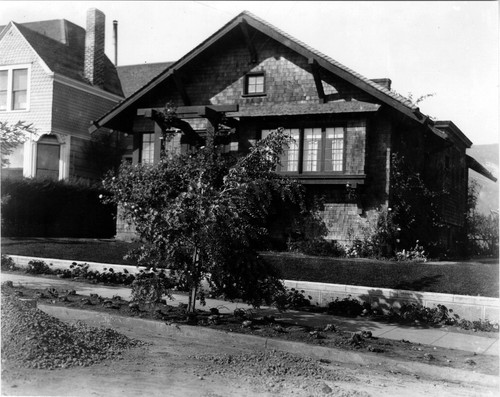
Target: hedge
x=43 y=208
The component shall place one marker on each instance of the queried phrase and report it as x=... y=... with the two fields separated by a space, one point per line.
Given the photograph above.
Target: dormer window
x=254 y=84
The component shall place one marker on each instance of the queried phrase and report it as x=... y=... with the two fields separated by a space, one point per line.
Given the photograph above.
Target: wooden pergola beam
x=317 y=79
x=190 y=112
x=182 y=125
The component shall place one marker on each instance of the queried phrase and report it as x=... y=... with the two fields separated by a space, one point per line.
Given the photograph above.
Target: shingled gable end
x=346 y=126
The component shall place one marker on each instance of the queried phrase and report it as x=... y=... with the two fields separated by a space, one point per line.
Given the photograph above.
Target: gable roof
x=134 y=77
x=61 y=45
x=378 y=91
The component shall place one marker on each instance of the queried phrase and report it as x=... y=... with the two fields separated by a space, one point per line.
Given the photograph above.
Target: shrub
x=291 y=299
x=38 y=267
x=42 y=208
x=479 y=325
x=8 y=263
x=436 y=315
x=317 y=247
x=379 y=237
x=109 y=276
x=348 y=307
x=416 y=254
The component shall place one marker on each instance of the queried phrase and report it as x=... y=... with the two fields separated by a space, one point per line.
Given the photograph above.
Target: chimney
x=115 y=36
x=386 y=83
x=94 y=47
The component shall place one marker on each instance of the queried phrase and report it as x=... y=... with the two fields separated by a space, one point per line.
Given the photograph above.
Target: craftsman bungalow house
x=55 y=75
x=345 y=126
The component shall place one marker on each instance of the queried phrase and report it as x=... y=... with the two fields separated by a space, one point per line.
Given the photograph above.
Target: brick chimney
x=94 y=47
x=383 y=82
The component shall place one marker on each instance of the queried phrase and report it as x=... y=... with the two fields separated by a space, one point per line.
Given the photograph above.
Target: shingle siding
x=15 y=50
x=74 y=109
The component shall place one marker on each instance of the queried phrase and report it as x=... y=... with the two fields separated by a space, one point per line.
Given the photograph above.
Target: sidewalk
x=428 y=336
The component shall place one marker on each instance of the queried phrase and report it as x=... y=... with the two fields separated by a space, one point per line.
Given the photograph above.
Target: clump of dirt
x=34 y=339
x=269 y=362
x=275 y=371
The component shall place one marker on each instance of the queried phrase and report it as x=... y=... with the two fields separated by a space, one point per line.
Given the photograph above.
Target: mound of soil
x=275 y=371
x=34 y=339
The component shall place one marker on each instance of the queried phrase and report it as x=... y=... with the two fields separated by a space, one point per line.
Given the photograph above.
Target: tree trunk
x=192 y=299
x=194 y=281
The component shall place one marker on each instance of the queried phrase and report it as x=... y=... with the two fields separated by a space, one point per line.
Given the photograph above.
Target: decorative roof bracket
x=248 y=41
x=181 y=88
x=317 y=80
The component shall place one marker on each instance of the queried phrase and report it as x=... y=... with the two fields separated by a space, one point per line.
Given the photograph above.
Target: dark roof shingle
x=134 y=77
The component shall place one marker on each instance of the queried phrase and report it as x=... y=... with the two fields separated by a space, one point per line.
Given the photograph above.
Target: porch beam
x=182 y=125
x=186 y=112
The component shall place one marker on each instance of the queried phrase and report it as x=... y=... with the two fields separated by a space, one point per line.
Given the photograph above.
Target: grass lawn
x=449 y=278
x=101 y=251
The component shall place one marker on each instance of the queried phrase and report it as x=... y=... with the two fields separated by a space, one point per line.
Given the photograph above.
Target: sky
x=446 y=48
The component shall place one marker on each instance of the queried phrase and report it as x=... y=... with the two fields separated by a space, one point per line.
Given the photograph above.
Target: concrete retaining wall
x=467 y=307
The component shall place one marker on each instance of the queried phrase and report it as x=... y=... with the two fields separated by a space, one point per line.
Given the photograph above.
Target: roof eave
x=474 y=165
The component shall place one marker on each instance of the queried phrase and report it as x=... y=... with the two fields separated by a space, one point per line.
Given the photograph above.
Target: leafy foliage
x=437 y=315
x=8 y=263
x=11 y=136
x=292 y=299
x=481 y=229
x=202 y=213
x=379 y=237
x=415 y=205
x=38 y=267
x=150 y=287
x=348 y=307
x=317 y=247
x=416 y=254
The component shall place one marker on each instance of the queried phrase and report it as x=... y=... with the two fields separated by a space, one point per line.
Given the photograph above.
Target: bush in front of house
x=38 y=267
x=44 y=208
x=8 y=264
x=317 y=247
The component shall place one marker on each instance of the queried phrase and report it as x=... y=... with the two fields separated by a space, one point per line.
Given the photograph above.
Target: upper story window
x=254 y=84
x=313 y=150
x=14 y=89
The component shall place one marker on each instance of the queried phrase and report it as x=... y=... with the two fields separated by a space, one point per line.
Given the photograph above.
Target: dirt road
x=180 y=366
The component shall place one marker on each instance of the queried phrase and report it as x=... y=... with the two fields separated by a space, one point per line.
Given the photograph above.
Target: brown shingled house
x=55 y=75
x=345 y=125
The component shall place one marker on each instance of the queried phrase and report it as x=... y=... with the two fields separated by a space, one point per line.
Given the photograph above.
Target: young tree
x=200 y=215
x=12 y=135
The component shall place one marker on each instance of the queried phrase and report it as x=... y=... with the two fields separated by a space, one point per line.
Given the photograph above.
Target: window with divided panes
x=321 y=150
